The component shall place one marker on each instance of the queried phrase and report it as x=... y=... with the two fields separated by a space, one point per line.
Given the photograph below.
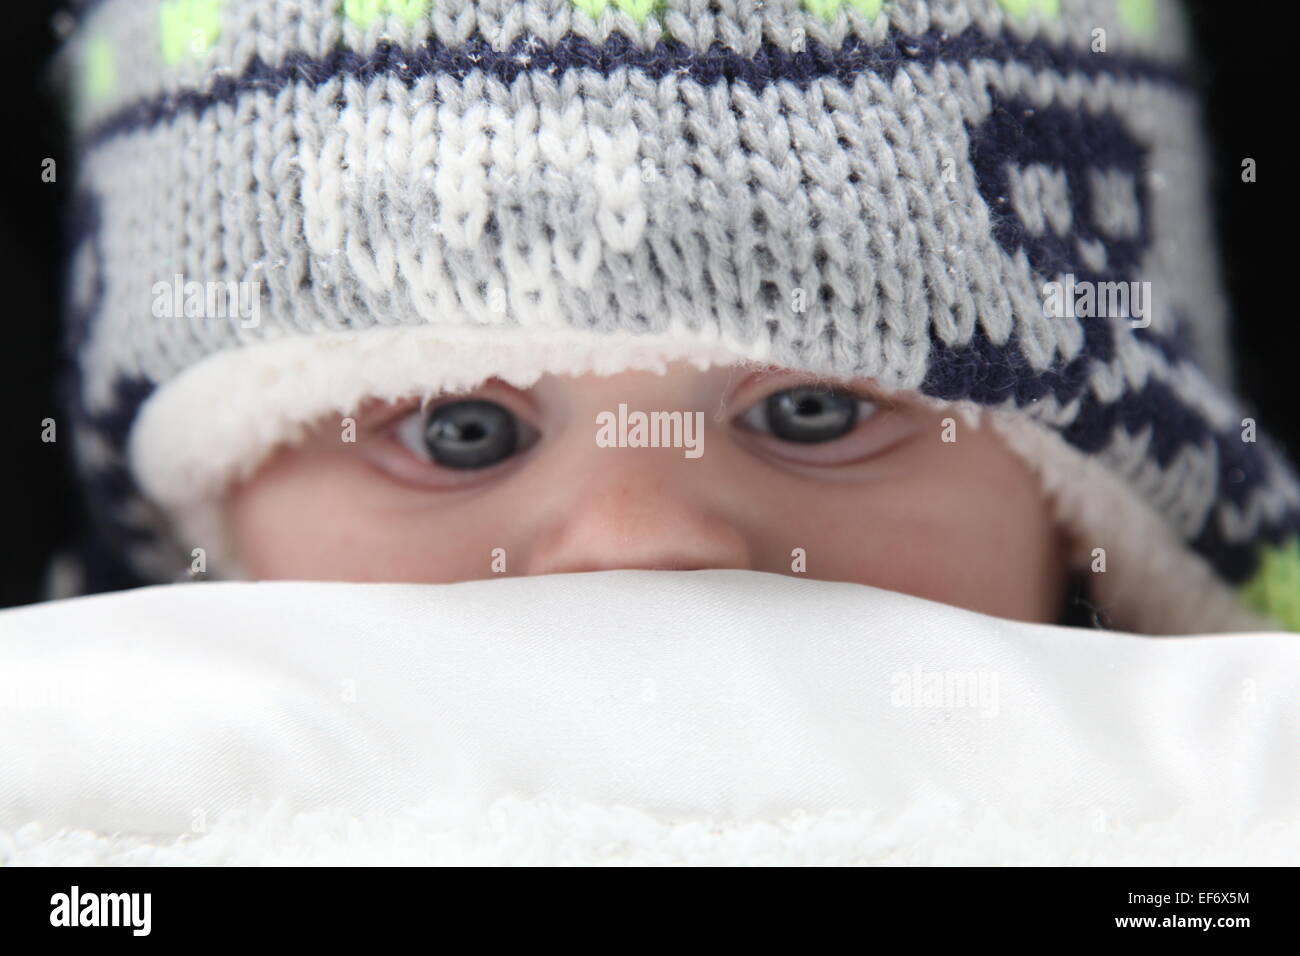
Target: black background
x=930 y=909
x=1248 y=72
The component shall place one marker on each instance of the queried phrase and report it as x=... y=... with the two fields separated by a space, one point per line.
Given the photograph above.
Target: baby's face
x=836 y=482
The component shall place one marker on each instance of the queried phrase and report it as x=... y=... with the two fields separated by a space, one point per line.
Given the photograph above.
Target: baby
x=920 y=295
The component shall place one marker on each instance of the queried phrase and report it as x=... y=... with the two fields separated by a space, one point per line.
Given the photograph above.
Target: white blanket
x=660 y=717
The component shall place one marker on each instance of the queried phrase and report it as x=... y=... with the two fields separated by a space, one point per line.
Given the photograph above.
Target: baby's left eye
x=807 y=414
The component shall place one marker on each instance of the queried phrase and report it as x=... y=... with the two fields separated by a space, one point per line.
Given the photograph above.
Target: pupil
x=811 y=415
x=470 y=434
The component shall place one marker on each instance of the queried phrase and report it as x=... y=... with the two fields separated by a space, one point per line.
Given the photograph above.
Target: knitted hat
x=283 y=208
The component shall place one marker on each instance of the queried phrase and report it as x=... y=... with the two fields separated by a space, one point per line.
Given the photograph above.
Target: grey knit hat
x=283 y=208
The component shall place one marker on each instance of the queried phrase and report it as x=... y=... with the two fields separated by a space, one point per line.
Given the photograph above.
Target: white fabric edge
x=1170 y=760
x=515 y=831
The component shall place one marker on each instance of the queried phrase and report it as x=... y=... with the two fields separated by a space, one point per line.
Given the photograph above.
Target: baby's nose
x=632 y=512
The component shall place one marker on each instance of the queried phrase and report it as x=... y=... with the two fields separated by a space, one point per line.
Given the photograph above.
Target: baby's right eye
x=465 y=434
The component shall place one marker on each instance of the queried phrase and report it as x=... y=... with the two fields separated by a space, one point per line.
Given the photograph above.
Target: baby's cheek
x=313 y=515
x=967 y=527
x=993 y=539
x=284 y=526
x=994 y=560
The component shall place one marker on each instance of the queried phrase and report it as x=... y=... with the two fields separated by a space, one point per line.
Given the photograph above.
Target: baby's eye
x=807 y=414
x=465 y=434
